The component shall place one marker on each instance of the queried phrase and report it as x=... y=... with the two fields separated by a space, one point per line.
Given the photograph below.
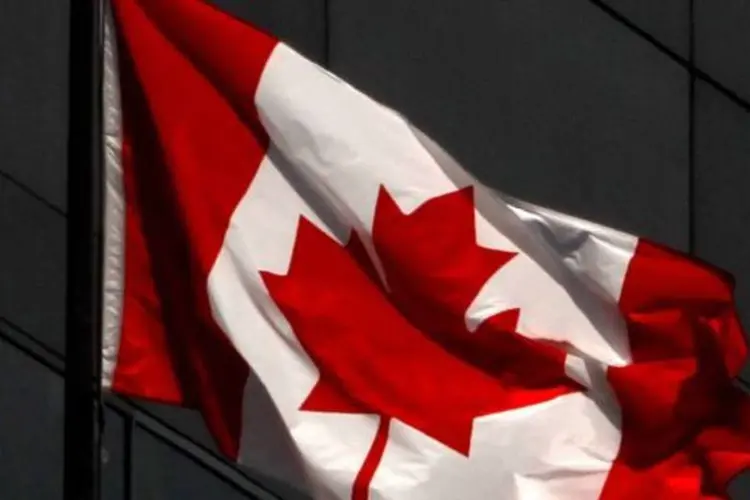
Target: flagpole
x=83 y=300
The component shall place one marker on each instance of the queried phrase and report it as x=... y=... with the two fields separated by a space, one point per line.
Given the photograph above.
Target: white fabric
x=114 y=205
x=332 y=148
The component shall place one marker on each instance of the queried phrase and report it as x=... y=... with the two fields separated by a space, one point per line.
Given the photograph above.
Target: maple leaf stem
x=361 y=487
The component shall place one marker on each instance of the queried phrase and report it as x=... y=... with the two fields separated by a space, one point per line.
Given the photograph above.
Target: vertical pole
x=130 y=424
x=83 y=300
x=692 y=236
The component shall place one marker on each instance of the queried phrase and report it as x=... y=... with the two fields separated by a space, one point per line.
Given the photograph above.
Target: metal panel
x=32 y=358
x=32 y=265
x=722 y=41
x=31 y=437
x=300 y=23
x=33 y=94
x=668 y=21
x=184 y=420
x=114 y=462
x=739 y=489
x=554 y=102
x=161 y=471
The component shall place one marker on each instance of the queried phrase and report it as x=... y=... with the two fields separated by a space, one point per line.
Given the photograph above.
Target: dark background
x=585 y=106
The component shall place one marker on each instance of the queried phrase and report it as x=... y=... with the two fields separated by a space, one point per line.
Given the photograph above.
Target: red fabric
x=686 y=427
x=404 y=352
x=145 y=366
x=188 y=159
x=192 y=144
x=229 y=53
x=361 y=486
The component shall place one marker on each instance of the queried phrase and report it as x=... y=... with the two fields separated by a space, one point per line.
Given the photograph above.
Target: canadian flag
x=355 y=315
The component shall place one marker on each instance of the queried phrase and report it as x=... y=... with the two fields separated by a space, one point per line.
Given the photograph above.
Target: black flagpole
x=84 y=255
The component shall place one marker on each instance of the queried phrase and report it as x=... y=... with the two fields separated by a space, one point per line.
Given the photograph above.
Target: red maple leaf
x=402 y=349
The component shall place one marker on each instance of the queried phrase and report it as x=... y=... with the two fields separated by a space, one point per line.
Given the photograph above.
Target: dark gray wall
x=582 y=105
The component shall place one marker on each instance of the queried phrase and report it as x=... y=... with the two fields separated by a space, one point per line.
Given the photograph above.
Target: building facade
x=585 y=106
